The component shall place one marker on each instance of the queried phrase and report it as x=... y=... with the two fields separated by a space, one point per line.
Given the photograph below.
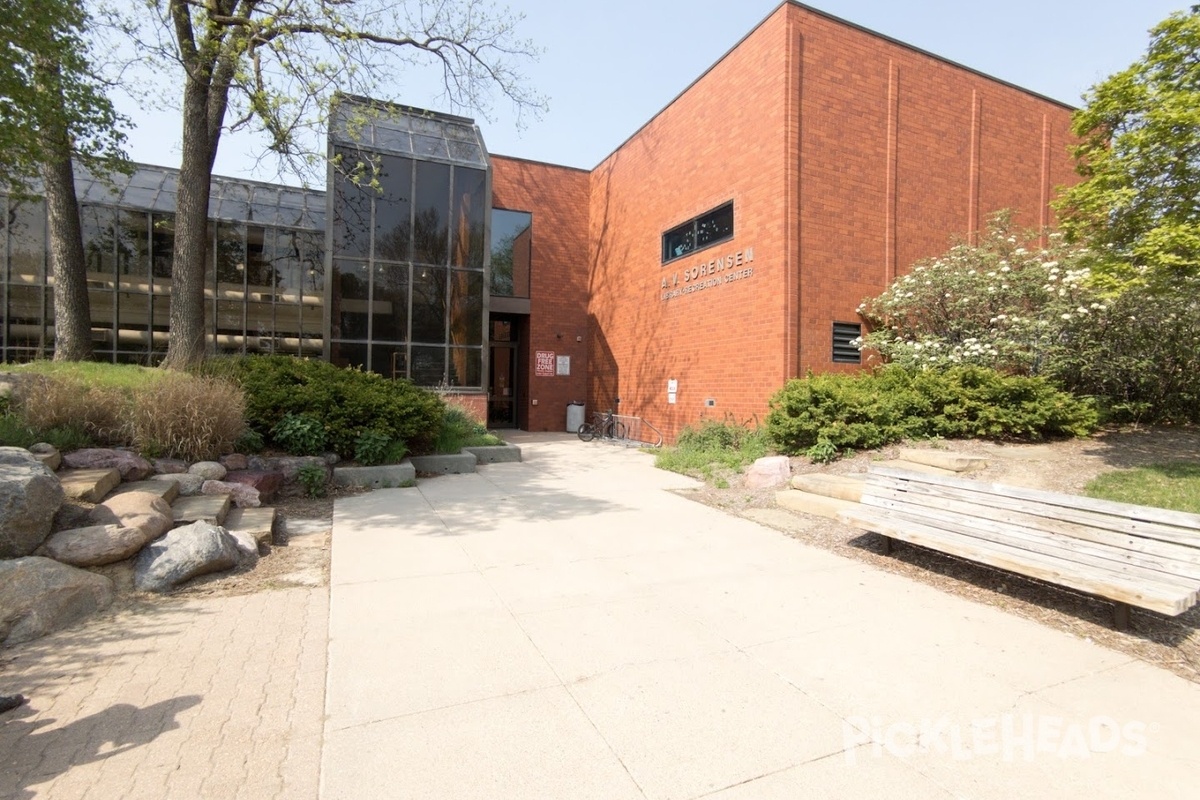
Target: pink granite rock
x=267 y=482
x=233 y=461
x=131 y=466
x=769 y=471
x=243 y=496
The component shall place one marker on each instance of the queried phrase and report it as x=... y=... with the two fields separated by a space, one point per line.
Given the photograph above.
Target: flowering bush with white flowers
x=1025 y=304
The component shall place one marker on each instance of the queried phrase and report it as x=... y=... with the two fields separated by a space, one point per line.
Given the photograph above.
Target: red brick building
x=846 y=156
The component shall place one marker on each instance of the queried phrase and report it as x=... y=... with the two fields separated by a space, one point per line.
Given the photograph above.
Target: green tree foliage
x=47 y=80
x=1139 y=155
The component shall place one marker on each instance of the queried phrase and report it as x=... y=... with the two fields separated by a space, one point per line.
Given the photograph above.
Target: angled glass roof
x=407 y=131
x=154 y=189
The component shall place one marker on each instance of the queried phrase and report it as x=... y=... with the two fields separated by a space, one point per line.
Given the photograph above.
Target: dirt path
x=1173 y=643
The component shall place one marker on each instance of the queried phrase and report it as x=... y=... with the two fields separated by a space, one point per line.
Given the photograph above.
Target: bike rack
x=638 y=432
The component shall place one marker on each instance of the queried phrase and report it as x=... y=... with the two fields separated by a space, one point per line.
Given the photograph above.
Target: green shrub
x=313 y=478
x=300 y=434
x=251 y=441
x=460 y=429
x=371 y=447
x=830 y=413
x=346 y=401
x=701 y=451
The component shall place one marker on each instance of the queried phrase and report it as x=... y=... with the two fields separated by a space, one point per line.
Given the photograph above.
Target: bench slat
x=1120 y=563
x=1159 y=556
x=1143 y=594
x=1152 y=531
x=1181 y=519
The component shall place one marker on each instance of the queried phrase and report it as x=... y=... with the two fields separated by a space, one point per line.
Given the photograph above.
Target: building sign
x=563 y=365
x=544 y=364
x=710 y=274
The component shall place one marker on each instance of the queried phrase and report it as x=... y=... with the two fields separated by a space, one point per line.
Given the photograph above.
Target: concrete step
x=258 y=522
x=211 y=508
x=841 y=487
x=385 y=476
x=167 y=490
x=943 y=459
x=89 y=485
x=808 y=503
x=495 y=454
x=450 y=464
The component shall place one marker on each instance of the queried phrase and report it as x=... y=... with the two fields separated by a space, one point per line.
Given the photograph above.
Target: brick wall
x=847 y=156
x=558 y=198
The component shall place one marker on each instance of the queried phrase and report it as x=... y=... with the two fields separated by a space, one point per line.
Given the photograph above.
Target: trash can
x=575 y=416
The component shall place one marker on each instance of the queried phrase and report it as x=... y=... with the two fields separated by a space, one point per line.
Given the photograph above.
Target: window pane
x=466 y=366
x=352 y=205
x=715 y=226
x=390 y=361
x=260 y=276
x=348 y=354
x=285 y=265
x=429 y=305
x=428 y=365
x=350 y=295
x=27 y=232
x=512 y=247
x=163 y=244
x=466 y=307
x=431 y=223
x=393 y=228
x=501 y=330
x=231 y=256
x=133 y=318
x=312 y=264
x=98 y=247
x=133 y=244
x=391 y=303
x=679 y=241
x=468 y=212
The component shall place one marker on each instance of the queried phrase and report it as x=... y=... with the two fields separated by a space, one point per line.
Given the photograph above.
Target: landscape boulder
x=30 y=496
x=94 y=545
x=232 y=461
x=185 y=553
x=47 y=454
x=170 y=466
x=39 y=596
x=131 y=466
x=267 y=482
x=148 y=512
x=768 y=472
x=189 y=485
x=209 y=470
x=240 y=494
x=247 y=547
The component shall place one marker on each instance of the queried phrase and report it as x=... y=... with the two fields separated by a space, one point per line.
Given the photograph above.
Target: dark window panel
x=348 y=354
x=391 y=302
x=133 y=244
x=351 y=293
x=466 y=307
x=285 y=265
x=429 y=304
x=390 y=360
x=260 y=245
x=99 y=247
x=393 y=210
x=428 y=367
x=466 y=367
x=352 y=205
x=27 y=240
x=512 y=250
x=231 y=256
x=431 y=223
x=680 y=241
x=715 y=226
x=162 y=243
x=470 y=196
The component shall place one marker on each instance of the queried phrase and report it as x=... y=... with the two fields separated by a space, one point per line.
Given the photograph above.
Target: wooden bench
x=1132 y=555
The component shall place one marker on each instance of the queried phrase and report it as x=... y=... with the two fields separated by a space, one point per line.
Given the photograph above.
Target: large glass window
x=99 y=249
x=163 y=244
x=393 y=210
x=429 y=304
x=352 y=205
x=512 y=252
x=696 y=234
x=133 y=244
x=431 y=223
x=470 y=190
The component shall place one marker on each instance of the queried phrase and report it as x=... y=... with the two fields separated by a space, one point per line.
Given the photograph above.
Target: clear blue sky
x=609 y=67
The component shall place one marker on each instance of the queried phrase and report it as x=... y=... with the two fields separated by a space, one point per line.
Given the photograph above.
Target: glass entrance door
x=502 y=375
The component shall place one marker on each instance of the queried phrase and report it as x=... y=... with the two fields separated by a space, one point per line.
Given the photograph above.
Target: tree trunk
x=186 y=346
x=72 y=312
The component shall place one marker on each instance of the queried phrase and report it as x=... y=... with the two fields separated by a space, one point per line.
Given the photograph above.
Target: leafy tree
x=53 y=109
x=1139 y=155
x=274 y=66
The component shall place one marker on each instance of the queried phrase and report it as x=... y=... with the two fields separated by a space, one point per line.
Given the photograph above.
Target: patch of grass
x=712 y=448
x=94 y=373
x=1175 y=485
x=460 y=429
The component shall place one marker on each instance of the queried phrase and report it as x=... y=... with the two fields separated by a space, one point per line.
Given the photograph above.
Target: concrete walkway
x=566 y=628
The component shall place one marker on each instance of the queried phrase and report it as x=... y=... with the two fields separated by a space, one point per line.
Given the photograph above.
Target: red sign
x=544 y=364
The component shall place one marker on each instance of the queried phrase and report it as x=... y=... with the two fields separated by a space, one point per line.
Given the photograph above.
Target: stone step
x=840 y=487
x=167 y=490
x=385 y=476
x=807 y=503
x=257 y=522
x=495 y=454
x=211 y=508
x=89 y=485
x=943 y=459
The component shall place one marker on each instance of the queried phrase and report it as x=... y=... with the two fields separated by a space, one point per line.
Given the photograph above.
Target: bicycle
x=605 y=425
